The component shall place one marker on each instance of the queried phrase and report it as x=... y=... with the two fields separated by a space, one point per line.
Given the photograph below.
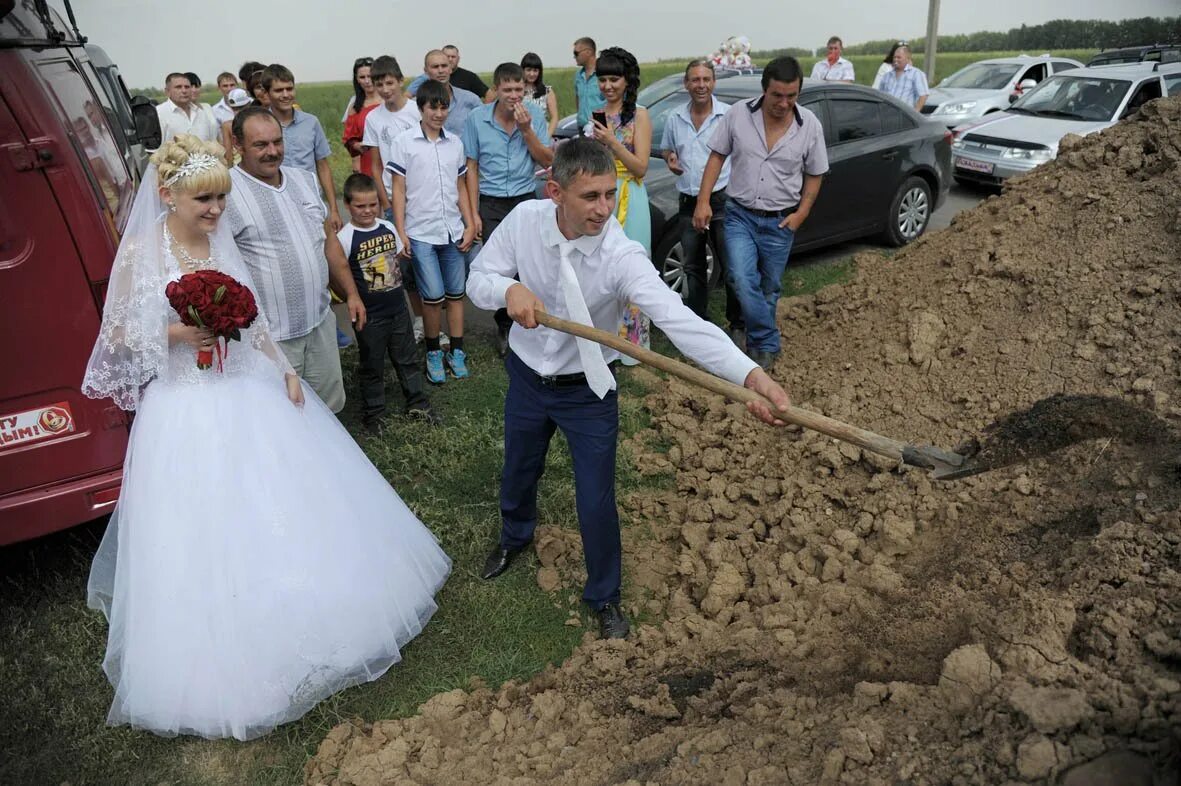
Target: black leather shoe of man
x=499 y=560
x=612 y=623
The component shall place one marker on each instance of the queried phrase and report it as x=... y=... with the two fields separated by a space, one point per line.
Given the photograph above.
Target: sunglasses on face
x=362 y=61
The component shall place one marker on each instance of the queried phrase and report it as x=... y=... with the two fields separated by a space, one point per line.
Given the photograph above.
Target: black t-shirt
x=373 y=258
x=467 y=80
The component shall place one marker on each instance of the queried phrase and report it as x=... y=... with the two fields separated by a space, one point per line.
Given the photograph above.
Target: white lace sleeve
x=132 y=344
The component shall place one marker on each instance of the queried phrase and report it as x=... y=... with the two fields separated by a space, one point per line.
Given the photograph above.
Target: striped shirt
x=280 y=232
x=909 y=86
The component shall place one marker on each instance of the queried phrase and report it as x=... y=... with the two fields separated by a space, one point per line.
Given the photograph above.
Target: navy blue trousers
x=532 y=412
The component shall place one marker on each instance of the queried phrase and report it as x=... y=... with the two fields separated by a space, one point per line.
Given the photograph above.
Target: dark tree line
x=1055 y=34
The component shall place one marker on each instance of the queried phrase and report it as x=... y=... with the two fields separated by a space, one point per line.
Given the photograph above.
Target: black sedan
x=889 y=169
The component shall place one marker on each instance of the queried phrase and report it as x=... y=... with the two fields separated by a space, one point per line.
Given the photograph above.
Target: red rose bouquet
x=213 y=301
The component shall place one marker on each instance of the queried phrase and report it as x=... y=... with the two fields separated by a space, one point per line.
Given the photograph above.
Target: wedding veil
x=132 y=344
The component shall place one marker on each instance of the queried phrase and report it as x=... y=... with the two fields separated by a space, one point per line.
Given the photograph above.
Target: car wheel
x=910 y=212
x=669 y=260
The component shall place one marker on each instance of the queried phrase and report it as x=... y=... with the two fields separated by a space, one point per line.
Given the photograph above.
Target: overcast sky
x=319 y=39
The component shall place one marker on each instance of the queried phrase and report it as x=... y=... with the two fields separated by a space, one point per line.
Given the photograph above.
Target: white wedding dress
x=256 y=562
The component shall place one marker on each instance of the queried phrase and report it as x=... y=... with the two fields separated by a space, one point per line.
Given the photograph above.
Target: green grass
x=51 y=646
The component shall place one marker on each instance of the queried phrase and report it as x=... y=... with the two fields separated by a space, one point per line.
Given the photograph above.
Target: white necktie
x=598 y=376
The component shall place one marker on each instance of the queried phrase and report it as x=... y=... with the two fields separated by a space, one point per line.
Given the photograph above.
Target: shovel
x=945 y=464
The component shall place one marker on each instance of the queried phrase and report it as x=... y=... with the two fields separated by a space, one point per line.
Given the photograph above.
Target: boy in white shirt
x=387 y=122
x=433 y=217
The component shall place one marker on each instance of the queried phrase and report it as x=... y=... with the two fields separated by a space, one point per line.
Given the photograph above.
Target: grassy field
x=328 y=99
x=51 y=646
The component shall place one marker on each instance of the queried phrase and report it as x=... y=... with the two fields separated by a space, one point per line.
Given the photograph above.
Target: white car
x=1081 y=101
x=990 y=86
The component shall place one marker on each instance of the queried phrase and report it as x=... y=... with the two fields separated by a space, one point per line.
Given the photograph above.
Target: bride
x=256 y=562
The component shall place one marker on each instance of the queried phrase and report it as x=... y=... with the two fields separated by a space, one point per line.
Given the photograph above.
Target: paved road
x=959 y=198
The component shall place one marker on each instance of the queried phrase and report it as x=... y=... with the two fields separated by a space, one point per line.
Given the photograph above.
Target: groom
x=573 y=260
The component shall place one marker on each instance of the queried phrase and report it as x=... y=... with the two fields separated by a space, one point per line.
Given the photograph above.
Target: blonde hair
x=174 y=153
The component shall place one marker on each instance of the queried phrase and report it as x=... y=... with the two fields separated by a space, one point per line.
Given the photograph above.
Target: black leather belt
x=561 y=380
x=784 y=213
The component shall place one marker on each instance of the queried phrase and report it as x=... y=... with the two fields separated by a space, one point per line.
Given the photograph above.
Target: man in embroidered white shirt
x=573 y=260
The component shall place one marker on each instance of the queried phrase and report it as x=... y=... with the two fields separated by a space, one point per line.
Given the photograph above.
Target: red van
x=71 y=156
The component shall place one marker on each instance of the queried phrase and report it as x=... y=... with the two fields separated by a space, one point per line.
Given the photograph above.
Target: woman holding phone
x=626 y=130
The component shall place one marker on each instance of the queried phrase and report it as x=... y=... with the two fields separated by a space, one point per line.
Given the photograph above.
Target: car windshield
x=1075 y=98
x=982 y=76
x=657 y=90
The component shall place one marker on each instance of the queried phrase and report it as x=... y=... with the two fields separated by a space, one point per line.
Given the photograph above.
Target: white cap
x=238 y=98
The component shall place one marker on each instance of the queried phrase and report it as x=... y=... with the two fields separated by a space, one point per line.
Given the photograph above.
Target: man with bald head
x=436 y=65
x=277 y=218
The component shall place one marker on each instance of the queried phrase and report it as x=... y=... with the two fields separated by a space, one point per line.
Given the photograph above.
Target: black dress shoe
x=499 y=560
x=612 y=623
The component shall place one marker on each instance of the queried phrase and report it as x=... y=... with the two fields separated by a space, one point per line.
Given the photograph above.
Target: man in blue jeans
x=777 y=159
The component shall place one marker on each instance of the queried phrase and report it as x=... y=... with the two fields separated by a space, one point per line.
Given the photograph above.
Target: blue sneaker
x=434 y=367
x=457 y=362
x=342 y=339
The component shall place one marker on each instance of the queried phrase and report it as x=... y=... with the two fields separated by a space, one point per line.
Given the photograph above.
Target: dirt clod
x=828 y=618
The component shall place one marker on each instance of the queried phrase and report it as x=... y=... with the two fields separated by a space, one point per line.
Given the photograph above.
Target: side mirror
x=147 y=122
x=1026 y=84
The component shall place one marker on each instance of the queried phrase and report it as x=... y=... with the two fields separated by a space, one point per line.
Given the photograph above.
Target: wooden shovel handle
x=884 y=446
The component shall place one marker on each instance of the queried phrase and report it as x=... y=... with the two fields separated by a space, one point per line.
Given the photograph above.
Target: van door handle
x=890 y=155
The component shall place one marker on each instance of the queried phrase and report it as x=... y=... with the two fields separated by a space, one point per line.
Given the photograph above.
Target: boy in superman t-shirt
x=372 y=246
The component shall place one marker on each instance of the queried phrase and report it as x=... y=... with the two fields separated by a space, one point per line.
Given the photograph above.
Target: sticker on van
x=33 y=425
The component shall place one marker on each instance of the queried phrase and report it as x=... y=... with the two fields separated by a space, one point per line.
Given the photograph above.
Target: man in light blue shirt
x=906 y=82
x=587 y=96
x=685 y=147
x=506 y=142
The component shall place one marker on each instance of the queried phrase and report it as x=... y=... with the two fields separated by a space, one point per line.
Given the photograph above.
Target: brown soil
x=830 y=618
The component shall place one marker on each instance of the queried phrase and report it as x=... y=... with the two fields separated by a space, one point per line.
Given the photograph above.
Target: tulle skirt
x=256 y=563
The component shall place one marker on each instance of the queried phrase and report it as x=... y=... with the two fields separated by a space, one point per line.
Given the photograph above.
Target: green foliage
x=1055 y=34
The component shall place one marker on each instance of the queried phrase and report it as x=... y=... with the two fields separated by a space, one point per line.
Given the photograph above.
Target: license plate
x=975 y=166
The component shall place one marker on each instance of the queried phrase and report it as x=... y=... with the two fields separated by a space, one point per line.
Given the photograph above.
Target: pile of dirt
x=832 y=619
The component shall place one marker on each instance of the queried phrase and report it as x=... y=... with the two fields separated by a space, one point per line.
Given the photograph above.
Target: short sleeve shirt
x=463 y=103
x=590 y=97
x=280 y=232
x=304 y=142
x=383 y=126
x=431 y=169
x=763 y=180
x=691 y=144
x=908 y=86
x=840 y=71
x=505 y=163
x=373 y=260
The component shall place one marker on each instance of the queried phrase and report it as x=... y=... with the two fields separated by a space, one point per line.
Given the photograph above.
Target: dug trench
x=826 y=617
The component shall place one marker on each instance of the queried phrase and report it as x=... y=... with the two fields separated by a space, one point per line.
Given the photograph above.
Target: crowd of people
x=217 y=626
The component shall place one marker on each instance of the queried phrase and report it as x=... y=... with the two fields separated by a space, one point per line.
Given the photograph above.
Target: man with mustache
x=277 y=218
x=572 y=258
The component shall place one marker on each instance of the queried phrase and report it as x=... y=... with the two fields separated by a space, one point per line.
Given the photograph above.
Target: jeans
x=532 y=412
x=389 y=335
x=439 y=269
x=757 y=251
x=693 y=250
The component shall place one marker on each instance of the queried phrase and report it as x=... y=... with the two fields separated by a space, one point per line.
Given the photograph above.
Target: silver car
x=990 y=86
x=1081 y=101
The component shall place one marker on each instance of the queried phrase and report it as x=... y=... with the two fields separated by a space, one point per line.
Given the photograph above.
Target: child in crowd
x=373 y=248
x=385 y=123
x=434 y=219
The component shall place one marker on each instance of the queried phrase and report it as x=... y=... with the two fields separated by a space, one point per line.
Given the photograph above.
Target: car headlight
x=1022 y=154
x=955 y=109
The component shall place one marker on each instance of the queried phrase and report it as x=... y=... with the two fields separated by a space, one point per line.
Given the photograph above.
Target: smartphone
x=599 y=116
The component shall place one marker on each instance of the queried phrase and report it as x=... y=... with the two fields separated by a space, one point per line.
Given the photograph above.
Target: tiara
x=198 y=162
